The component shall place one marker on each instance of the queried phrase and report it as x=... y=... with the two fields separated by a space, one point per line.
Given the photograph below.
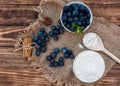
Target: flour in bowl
x=89 y=66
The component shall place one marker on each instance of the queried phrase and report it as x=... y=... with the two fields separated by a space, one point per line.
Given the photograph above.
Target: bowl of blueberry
x=76 y=17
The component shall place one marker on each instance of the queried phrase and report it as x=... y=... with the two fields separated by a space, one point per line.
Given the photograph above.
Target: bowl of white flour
x=89 y=66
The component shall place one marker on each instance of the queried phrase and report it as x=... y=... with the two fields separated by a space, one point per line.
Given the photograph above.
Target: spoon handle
x=112 y=56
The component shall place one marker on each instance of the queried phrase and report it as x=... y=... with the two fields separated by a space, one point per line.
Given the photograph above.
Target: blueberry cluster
x=75 y=14
x=67 y=53
x=60 y=62
x=41 y=39
x=52 y=58
x=55 y=31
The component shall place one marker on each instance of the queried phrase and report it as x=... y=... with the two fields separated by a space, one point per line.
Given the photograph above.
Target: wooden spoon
x=98 y=45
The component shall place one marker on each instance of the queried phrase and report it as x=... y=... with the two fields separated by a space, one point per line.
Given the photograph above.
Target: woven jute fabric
x=64 y=76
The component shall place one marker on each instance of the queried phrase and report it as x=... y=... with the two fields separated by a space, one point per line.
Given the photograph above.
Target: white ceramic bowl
x=88 y=66
x=77 y=2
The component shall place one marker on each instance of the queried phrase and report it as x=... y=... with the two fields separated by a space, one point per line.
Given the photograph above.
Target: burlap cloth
x=110 y=34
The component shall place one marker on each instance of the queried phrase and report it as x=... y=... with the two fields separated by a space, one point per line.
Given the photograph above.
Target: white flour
x=89 y=66
x=90 y=40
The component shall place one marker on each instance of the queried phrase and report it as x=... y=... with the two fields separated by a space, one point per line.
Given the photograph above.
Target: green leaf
x=78 y=29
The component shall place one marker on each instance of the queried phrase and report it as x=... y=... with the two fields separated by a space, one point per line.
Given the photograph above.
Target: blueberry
x=85 y=17
x=45 y=34
x=48 y=58
x=75 y=19
x=61 y=63
x=64 y=18
x=72 y=56
x=53 y=55
x=65 y=23
x=39 y=42
x=83 y=23
x=47 y=39
x=41 y=37
x=81 y=18
x=38 y=53
x=70 y=52
x=75 y=13
x=35 y=38
x=61 y=59
x=53 y=27
x=51 y=33
x=43 y=44
x=70 y=8
x=64 y=50
x=56 y=32
x=87 y=22
x=61 y=31
x=43 y=49
x=56 y=50
x=68 y=26
x=81 y=14
x=66 y=55
x=38 y=47
x=83 y=8
x=88 y=15
x=51 y=64
x=74 y=23
x=79 y=23
x=72 y=29
x=65 y=8
x=56 y=64
x=70 y=19
x=42 y=29
x=55 y=37
x=39 y=33
x=69 y=14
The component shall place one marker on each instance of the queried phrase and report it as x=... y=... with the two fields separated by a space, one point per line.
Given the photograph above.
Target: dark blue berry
x=61 y=31
x=53 y=55
x=64 y=50
x=37 y=52
x=69 y=14
x=56 y=50
x=51 y=33
x=38 y=47
x=75 y=19
x=88 y=15
x=51 y=64
x=43 y=44
x=75 y=13
x=56 y=64
x=41 y=37
x=72 y=56
x=64 y=23
x=79 y=23
x=70 y=19
x=47 y=39
x=70 y=52
x=53 y=27
x=39 y=33
x=45 y=34
x=56 y=32
x=61 y=63
x=74 y=23
x=66 y=55
x=35 y=38
x=39 y=42
x=43 y=49
x=64 y=18
x=72 y=29
x=42 y=29
x=55 y=37
x=48 y=58
x=61 y=59
x=68 y=26
x=65 y=8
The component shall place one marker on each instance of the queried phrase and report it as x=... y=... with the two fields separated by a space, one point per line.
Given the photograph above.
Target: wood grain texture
x=15 y=15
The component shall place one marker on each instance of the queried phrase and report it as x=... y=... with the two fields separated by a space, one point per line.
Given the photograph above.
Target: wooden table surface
x=15 y=15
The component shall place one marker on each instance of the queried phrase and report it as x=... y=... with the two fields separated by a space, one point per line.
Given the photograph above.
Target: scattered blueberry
x=55 y=37
x=56 y=64
x=43 y=49
x=51 y=64
x=61 y=59
x=39 y=41
x=72 y=56
x=53 y=27
x=48 y=58
x=61 y=63
x=42 y=29
x=66 y=55
x=35 y=38
x=56 y=32
x=64 y=50
x=61 y=31
x=56 y=50
x=37 y=52
x=53 y=55
x=51 y=33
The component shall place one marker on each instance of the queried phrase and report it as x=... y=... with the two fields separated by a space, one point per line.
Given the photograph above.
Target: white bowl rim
x=103 y=67
x=77 y=2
